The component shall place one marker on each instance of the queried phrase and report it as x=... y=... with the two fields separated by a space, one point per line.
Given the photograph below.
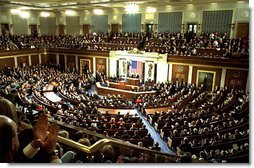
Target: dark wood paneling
x=236 y=79
x=52 y=58
x=6 y=62
x=21 y=52
x=217 y=77
x=180 y=73
x=101 y=65
x=127 y=94
x=61 y=29
x=115 y=28
x=86 y=28
x=71 y=62
x=44 y=58
x=238 y=63
x=48 y=58
x=61 y=60
x=23 y=60
x=35 y=59
x=242 y=30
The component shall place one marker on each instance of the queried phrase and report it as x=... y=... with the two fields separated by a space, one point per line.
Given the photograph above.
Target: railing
x=96 y=147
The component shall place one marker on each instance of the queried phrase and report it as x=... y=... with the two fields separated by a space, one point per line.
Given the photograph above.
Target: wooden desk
x=133 y=81
x=122 y=83
x=122 y=86
x=128 y=94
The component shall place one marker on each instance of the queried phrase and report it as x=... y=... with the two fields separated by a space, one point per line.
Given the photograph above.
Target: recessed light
x=214 y=3
x=240 y=2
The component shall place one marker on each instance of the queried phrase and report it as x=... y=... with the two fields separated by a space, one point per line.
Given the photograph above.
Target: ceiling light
x=15 y=11
x=190 y=5
x=24 y=8
x=45 y=14
x=70 y=12
x=240 y=2
x=131 y=8
x=24 y=14
x=98 y=11
x=214 y=3
x=150 y=10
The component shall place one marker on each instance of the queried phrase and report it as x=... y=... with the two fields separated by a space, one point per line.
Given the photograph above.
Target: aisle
x=156 y=136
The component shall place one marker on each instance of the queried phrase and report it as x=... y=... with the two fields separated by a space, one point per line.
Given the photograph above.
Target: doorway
x=192 y=28
x=114 y=28
x=149 y=27
x=61 y=29
x=33 y=29
x=86 y=28
x=5 y=29
x=242 y=30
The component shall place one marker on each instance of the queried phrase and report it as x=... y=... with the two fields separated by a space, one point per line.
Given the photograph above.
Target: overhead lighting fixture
x=189 y=5
x=15 y=11
x=69 y=3
x=70 y=12
x=45 y=14
x=214 y=3
x=240 y=2
x=98 y=11
x=131 y=8
x=24 y=14
x=151 y=10
x=24 y=8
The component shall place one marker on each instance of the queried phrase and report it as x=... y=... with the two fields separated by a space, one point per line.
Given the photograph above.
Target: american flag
x=137 y=68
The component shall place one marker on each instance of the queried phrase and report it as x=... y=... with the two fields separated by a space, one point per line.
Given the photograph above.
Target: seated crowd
x=207 y=125
x=205 y=45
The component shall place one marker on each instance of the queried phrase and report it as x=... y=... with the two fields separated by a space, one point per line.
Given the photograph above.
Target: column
x=94 y=66
x=107 y=67
x=170 y=67
x=15 y=62
x=39 y=59
x=76 y=62
x=65 y=62
x=162 y=72
x=223 y=77
x=57 y=58
x=29 y=60
x=248 y=84
x=190 y=74
x=113 y=67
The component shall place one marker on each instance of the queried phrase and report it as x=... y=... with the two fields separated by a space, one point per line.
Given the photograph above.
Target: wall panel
x=23 y=61
x=236 y=79
x=6 y=62
x=180 y=73
x=217 y=77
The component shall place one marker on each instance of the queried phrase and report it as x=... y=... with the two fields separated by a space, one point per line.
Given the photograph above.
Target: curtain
x=131 y=23
x=217 y=21
x=170 y=22
x=100 y=23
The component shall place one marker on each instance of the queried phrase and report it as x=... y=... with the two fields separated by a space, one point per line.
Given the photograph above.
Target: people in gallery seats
x=165 y=42
x=41 y=141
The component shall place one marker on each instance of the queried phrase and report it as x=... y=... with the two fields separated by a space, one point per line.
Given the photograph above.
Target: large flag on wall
x=137 y=68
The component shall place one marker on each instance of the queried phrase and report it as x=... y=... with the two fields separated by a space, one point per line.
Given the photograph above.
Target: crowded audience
x=211 y=45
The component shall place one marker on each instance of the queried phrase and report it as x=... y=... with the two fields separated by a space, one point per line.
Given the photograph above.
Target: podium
x=122 y=83
x=133 y=81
